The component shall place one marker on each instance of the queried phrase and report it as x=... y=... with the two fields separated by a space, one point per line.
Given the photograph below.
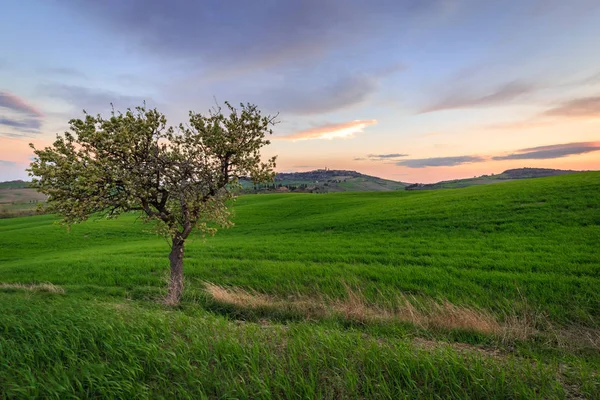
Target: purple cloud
x=439 y=161
x=307 y=100
x=91 y=100
x=552 y=151
x=378 y=157
x=16 y=104
x=241 y=33
x=501 y=95
x=30 y=125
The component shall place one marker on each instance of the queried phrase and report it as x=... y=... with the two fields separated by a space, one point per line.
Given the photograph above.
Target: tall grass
x=59 y=348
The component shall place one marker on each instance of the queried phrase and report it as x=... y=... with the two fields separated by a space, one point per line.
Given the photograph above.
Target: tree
x=181 y=179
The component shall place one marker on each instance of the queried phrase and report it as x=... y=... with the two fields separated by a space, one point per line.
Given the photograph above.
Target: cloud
x=30 y=125
x=501 y=95
x=91 y=100
x=314 y=99
x=342 y=130
x=583 y=107
x=552 y=151
x=586 y=107
x=439 y=161
x=532 y=153
x=386 y=156
x=16 y=104
x=5 y=163
x=240 y=33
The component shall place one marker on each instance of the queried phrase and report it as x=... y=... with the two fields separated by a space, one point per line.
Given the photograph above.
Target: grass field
x=483 y=292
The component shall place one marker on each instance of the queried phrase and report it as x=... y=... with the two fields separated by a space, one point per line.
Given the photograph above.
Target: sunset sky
x=410 y=90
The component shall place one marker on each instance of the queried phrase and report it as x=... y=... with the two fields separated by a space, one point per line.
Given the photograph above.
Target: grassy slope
x=525 y=245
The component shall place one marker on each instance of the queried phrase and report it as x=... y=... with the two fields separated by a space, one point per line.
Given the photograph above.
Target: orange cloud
x=342 y=130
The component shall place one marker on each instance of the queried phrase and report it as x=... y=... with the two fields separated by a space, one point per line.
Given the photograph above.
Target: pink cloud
x=12 y=102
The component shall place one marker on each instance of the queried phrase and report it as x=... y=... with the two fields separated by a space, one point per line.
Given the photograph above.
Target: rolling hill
x=486 y=292
x=325 y=181
x=508 y=175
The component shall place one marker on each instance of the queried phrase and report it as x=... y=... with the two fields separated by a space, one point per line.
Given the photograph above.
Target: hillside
x=508 y=175
x=487 y=292
x=325 y=181
x=17 y=199
x=18 y=184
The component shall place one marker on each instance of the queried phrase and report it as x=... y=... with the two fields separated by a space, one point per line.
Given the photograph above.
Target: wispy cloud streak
x=439 y=161
x=583 y=107
x=30 y=125
x=386 y=156
x=16 y=104
x=552 y=151
x=311 y=99
x=342 y=130
x=501 y=95
x=91 y=99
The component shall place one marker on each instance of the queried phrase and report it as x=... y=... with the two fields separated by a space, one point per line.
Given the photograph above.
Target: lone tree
x=179 y=178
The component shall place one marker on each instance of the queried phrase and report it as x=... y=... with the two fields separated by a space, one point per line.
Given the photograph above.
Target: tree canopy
x=178 y=177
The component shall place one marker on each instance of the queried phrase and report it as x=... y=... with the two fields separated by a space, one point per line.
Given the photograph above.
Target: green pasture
x=526 y=248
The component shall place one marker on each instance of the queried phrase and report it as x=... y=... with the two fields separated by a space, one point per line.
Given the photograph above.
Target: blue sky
x=412 y=90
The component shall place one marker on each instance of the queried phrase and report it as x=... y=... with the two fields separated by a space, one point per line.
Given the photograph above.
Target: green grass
x=524 y=248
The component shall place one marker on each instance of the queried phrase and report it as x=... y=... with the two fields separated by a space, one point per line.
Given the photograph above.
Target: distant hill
x=18 y=199
x=508 y=175
x=325 y=181
x=19 y=184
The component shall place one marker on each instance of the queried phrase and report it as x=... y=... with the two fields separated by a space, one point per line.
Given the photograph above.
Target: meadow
x=483 y=292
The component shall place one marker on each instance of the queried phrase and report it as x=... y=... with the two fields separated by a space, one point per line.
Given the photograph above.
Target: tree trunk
x=176 y=281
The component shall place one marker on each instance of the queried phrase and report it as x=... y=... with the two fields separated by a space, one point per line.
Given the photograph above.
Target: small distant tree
x=133 y=162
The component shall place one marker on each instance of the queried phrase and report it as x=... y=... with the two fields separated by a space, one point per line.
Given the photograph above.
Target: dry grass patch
x=239 y=297
x=33 y=287
x=425 y=313
x=577 y=338
x=461 y=348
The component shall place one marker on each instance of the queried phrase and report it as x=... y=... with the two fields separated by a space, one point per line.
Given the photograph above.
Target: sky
x=409 y=90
